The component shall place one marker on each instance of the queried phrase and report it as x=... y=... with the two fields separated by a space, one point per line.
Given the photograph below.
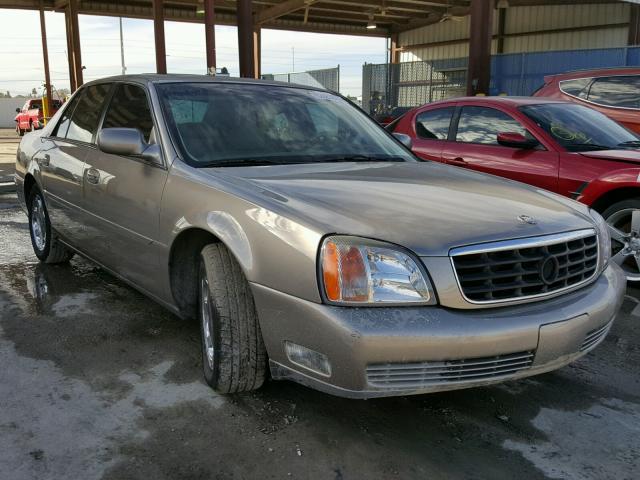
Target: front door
x=476 y=147
x=123 y=194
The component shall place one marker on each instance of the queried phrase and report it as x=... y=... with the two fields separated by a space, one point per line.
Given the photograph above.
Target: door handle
x=93 y=176
x=44 y=161
x=458 y=161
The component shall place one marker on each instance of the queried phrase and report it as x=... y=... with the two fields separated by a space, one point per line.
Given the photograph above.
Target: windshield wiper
x=254 y=162
x=587 y=146
x=360 y=158
x=630 y=143
x=296 y=160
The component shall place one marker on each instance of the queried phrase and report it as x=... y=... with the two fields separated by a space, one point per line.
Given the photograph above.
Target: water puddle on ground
x=576 y=448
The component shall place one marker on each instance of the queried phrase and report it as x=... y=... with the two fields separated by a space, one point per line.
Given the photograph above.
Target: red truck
x=30 y=117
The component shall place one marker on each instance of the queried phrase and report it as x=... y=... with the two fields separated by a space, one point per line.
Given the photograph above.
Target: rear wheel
x=44 y=240
x=624 y=224
x=233 y=352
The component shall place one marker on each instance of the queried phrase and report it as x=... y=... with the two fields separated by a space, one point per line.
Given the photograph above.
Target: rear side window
x=63 y=125
x=85 y=118
x=483 y=124
x=434 y=124
x=578 y=87
x=620 y=91
x=129 y=108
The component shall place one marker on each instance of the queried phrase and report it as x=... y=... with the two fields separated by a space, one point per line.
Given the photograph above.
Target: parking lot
x=98 y=382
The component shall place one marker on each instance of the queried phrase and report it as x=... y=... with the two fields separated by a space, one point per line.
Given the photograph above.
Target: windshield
x=218 y=124
x=579 y=129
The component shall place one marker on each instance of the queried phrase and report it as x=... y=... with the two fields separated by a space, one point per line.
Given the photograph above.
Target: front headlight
x=604 y=239
x=359 y=271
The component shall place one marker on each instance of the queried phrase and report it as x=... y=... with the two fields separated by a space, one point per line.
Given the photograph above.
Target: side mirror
x=128 y=142
x=516 y=140
x=404 y=139
x=18 y=110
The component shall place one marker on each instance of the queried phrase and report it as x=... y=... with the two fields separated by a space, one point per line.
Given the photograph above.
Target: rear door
x=122 y=194
x=62 y=160
x=475 y=146
x=431 y=130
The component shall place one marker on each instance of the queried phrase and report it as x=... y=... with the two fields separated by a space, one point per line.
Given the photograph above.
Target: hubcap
x=624 y=226
x=205 y=315
x=38 y=223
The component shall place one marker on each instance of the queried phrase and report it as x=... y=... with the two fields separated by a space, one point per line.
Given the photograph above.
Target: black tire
x=239 y=358
x=19 y=131
x=624 y=204
x=52 y=251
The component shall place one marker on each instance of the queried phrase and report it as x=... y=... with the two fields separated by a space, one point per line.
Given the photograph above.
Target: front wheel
x=45 y=242
x=624 y=224
x=233 y=352
x=19 y=131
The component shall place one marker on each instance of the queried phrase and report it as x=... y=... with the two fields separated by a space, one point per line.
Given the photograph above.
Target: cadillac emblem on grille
x=549 y=269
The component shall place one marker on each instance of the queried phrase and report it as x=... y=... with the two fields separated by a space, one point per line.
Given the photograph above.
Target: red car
x=560 y=146
x=30 y=117
x=612 y=91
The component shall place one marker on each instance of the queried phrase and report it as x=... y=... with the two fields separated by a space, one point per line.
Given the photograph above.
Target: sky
x=21 y=64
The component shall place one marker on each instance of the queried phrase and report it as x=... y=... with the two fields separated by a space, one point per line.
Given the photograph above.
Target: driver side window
x=481 y=125
x=129 y=108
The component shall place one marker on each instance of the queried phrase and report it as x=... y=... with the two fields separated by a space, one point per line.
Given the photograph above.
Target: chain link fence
x=387 y=86
x=328 y=78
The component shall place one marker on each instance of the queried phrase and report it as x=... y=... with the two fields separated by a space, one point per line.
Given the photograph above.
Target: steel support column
x=257 y=50
x=210 y=35
x=245 y=39
x=479 y=71
x=45 y=57
x=634 y=25
x=394 y=51
x=158 y=34
x=73 y=45
x=502 y=22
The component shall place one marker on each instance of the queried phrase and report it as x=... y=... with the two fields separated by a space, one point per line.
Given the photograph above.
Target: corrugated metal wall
x=527 y=19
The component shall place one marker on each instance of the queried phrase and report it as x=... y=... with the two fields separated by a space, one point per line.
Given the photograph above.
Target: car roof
x=499 y=100
x=144 y=78
x=599 y=72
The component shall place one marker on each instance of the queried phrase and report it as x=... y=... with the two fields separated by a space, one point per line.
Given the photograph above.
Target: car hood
x=426 y=207
x=632 y=156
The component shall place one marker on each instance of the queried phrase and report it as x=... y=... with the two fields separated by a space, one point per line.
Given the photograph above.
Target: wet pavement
x=98 y=382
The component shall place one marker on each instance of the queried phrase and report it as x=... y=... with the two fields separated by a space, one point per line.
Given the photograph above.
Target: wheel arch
x=183 y=268
x=29 y=183
x=615 y=195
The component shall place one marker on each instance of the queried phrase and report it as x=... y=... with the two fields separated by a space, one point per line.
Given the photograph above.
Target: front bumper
x=386 y=351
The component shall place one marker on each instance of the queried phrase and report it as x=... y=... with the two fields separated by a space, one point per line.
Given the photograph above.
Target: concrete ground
x=9 y=141
x=98 y=382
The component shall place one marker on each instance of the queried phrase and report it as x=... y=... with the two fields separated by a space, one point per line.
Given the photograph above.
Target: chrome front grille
x=526 y=268
x=416 y=375
x=594 y=337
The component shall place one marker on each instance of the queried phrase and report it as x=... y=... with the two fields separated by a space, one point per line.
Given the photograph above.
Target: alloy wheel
x=206 y=319
x=624 y=226
x=38 y=223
